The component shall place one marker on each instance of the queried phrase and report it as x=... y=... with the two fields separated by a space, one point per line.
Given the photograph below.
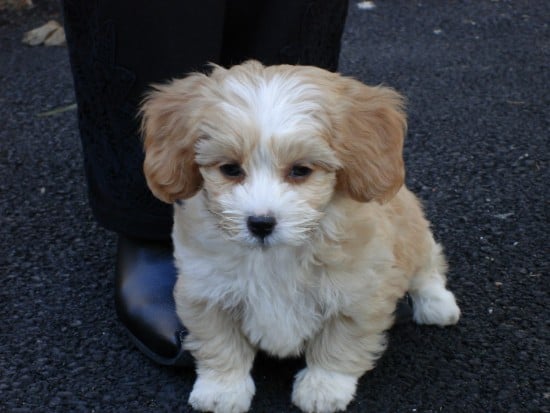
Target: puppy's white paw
x=435 y=305
x=227 y=395
x=321 y=391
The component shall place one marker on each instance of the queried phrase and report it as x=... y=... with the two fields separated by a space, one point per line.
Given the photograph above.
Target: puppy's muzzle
x=261 y=226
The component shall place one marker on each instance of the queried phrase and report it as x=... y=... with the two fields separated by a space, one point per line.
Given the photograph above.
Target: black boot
x=145 y=278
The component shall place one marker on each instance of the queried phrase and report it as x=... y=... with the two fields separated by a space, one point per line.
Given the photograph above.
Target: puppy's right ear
x=170 y=117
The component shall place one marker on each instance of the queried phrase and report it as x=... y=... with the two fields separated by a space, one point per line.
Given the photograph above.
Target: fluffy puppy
x=296 y=234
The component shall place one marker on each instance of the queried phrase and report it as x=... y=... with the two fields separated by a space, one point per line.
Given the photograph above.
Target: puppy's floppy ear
x=371 y=126
x=170 y=115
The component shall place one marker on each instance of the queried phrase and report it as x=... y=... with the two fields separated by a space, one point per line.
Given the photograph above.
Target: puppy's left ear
x=170 y=115
x=371 y=126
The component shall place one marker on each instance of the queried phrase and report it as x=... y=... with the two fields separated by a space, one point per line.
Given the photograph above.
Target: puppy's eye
x=232 y=170
x=299 y=172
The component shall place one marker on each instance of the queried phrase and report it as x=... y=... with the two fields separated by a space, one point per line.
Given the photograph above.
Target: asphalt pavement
x=476 y=76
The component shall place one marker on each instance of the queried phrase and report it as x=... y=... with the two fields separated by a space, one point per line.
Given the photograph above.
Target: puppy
x=297 y=235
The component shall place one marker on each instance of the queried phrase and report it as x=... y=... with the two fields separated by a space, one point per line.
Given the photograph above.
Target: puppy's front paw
x=222 y=395
x=317 y=390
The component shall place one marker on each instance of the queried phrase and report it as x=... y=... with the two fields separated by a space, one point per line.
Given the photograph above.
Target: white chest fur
x=279 y=298
x=282 y=303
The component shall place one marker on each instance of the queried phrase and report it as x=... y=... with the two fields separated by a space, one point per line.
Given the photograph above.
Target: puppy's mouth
x=261 y=244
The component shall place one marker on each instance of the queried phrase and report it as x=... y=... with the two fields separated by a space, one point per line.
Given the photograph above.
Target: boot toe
x=145 y=278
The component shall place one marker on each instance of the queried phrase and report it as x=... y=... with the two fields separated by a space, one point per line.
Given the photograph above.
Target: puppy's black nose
x=261 y=226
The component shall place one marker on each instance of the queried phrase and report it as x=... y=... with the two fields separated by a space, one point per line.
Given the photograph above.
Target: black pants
x=119 y=47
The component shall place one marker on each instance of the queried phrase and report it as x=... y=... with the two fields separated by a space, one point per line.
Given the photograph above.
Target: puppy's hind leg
x=432 y=302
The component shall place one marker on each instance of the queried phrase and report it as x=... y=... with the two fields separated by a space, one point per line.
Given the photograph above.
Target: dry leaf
x=366 y=5
x=56 y=38
x=50 y=34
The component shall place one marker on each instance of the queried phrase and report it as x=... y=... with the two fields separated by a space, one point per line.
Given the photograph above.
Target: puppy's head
x=270 y=146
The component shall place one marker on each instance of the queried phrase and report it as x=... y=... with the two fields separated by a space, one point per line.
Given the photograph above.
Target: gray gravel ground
x=477 y=80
